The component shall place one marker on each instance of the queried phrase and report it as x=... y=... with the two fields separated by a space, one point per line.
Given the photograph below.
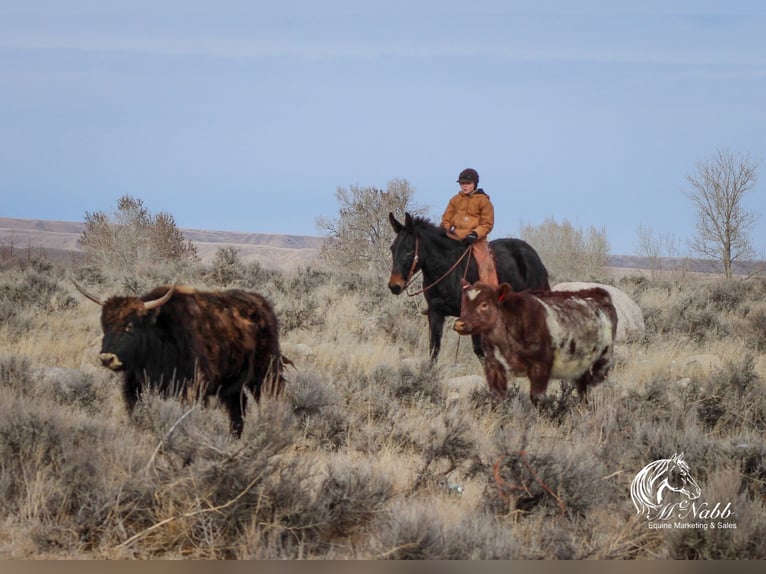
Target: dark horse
x=419 y=244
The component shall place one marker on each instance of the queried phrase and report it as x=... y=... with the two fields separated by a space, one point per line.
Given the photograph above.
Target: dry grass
x=374 y=454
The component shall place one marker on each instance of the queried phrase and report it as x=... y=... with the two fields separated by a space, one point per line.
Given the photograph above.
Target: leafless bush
x=15 y=373
x=569 y=253
x=558 y=483
x=320 y=407
x=360 y=236
x=132 y=239
x=417 y=530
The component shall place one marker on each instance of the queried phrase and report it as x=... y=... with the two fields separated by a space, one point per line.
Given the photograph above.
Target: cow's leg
x=595 y=375
x=494 y=371
x=539 y=374
x=436 y=326
x=581 y=385
x=236 y=404
x=131 y=390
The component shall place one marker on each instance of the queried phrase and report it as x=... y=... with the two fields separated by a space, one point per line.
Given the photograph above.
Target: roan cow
x=195 y=344
x=541 y=335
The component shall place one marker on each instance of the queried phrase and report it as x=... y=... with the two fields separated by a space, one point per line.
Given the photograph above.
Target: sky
x=249 y=115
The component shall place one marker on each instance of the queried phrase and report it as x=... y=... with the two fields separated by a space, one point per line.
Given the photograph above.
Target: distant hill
x=59 y=239
x=271 y=250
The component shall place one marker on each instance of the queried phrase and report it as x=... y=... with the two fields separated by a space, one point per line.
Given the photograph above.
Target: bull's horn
x=88 y=295
x=148 y=305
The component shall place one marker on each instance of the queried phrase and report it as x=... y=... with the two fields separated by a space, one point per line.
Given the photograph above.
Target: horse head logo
x=655 y=483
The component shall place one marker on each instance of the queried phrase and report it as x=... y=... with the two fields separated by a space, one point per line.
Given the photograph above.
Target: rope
x=439 y=280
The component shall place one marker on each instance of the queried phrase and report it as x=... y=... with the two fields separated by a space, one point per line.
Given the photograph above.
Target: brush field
x=373 y=453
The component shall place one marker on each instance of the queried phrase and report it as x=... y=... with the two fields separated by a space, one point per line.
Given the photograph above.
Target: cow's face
x=124 y=321
x=479 y=307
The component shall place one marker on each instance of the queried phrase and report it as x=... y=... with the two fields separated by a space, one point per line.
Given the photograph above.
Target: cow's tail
x=275 y=381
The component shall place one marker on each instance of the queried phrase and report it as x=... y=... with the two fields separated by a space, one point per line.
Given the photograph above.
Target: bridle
x=416 y=259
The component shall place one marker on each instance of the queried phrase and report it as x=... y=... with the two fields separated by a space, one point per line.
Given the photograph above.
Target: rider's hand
x=470 y=238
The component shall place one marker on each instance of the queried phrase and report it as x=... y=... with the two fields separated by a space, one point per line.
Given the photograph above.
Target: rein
x=415 y=260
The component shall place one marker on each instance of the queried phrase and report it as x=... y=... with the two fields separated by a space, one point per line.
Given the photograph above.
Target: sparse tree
x=661 y=252
x=569 y=253
x=360 y=237
x=227 y=266
x=723 y=224
x=132 y=236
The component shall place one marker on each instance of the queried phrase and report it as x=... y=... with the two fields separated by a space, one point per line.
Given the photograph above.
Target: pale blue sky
x=244 y=116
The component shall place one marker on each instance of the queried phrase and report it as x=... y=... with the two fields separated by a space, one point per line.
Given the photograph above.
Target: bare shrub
x=662 y=254
x=360 y=236
x=320 y=409
x=558 y=483
x=71 y=387
x=32 y=289
x=410 y=382
x=715 y=543
x=752 y=457
x=15 y=373
x=133 y=238
x=418 y=530
x=731 y=399
x=227 y=267
x=689 y=313
x=756 y=329
x=569 y=253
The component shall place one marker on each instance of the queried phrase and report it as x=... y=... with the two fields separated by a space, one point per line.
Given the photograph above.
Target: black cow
x=193 y=343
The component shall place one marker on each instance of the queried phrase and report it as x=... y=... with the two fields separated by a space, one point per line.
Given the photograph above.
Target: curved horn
x=88 y=295
x=148 y=305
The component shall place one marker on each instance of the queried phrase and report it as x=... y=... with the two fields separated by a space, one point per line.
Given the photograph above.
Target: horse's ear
x=394 y=223
x=408 y=222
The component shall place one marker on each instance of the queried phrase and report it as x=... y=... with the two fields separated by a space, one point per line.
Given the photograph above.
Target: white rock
x=466 y=383
x=630 y=318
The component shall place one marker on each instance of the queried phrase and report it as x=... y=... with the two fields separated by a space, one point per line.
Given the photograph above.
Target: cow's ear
x=394 y=223
x=464 y=284
x=409 y=223
x=502 y=291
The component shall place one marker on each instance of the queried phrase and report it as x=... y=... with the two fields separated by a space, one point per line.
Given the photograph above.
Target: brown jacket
x=468 y=213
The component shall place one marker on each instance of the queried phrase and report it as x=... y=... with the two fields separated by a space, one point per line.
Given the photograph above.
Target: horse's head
x=404 y=252
x=655 y=480
x=678 y=478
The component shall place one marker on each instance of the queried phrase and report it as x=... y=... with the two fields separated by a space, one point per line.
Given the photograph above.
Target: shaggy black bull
x=421 y=245
x=195 y=344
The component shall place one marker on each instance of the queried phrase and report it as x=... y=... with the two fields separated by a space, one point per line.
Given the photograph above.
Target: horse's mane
x=437 y=232
x=422 y=222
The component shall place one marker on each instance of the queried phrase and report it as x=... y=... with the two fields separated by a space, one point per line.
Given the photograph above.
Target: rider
x=469 y=217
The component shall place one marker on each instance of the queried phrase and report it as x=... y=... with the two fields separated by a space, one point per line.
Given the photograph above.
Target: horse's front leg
x=477 y=346
x=436 y=328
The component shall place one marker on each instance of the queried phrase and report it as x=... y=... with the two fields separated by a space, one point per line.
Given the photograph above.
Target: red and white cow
x=565 y=335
